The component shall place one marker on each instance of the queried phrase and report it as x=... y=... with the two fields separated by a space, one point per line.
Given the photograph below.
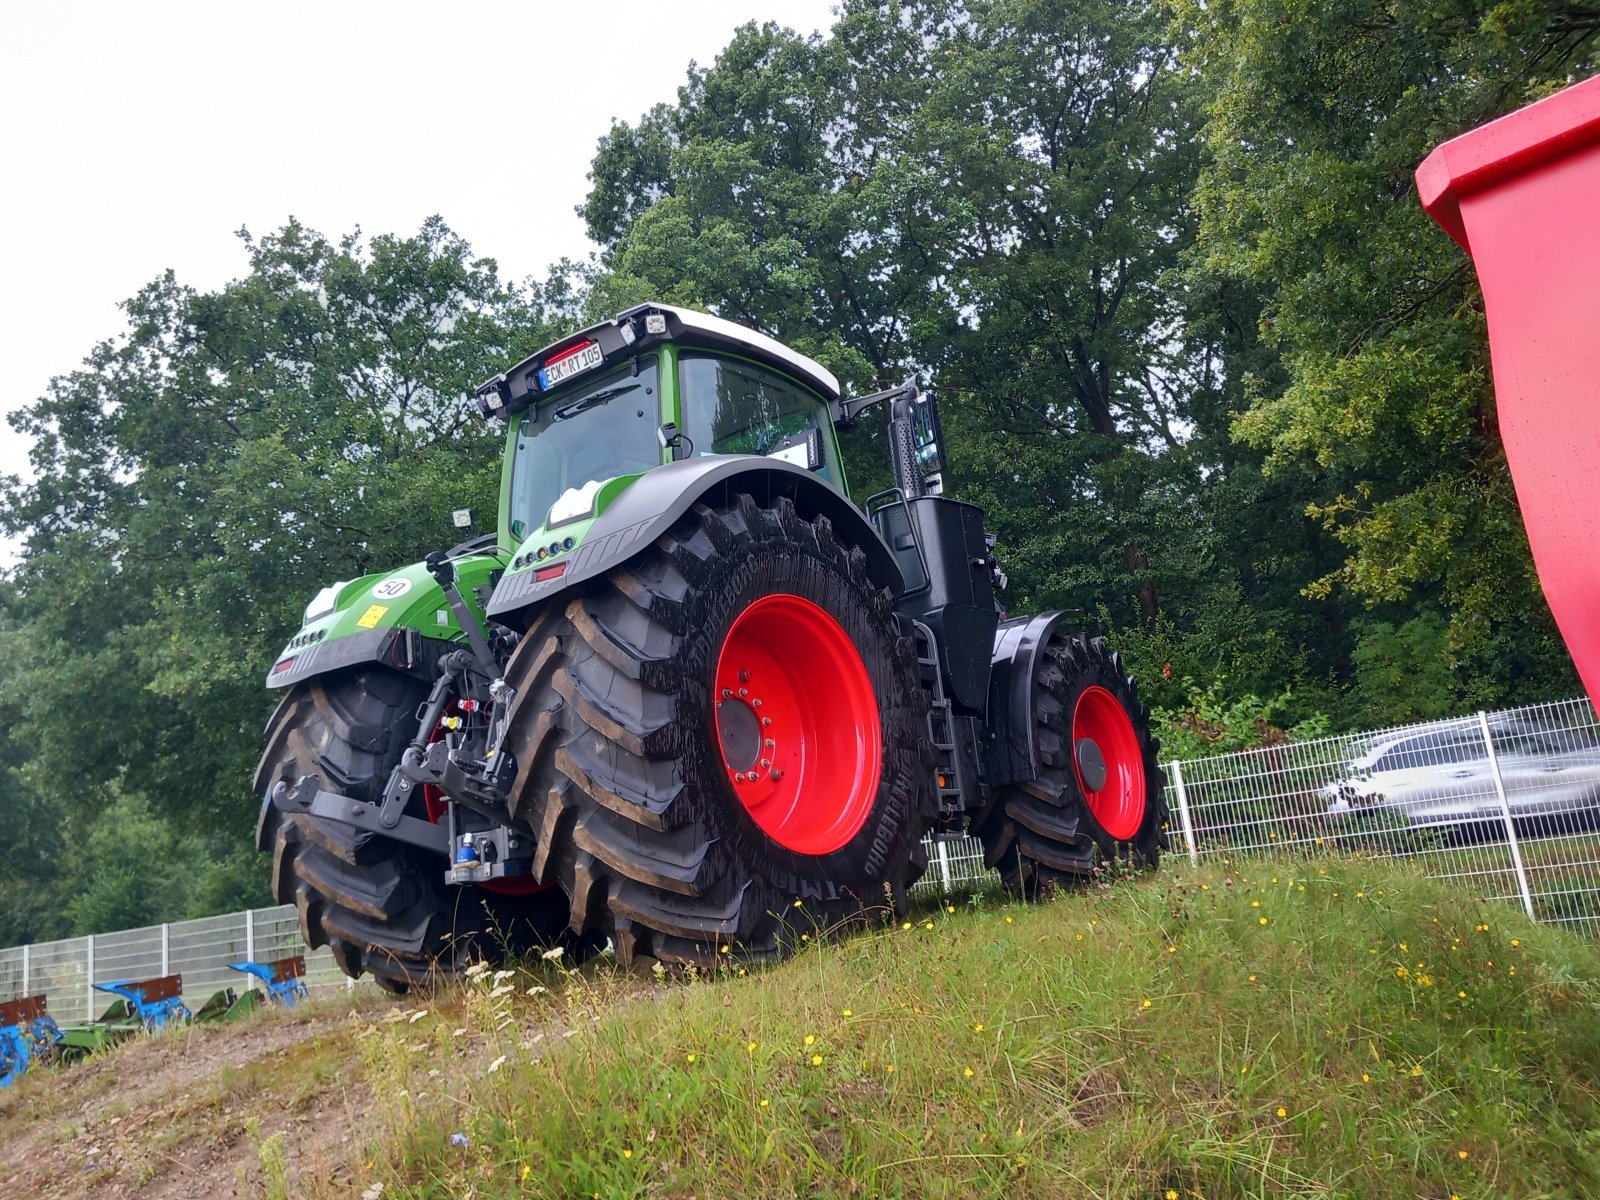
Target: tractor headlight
x=323 y=602
x=574 y=504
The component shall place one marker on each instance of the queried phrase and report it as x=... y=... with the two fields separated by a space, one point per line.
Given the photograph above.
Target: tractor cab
x=592 y=412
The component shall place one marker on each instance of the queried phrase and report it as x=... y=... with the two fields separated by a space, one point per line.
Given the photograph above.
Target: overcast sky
x=137 y=137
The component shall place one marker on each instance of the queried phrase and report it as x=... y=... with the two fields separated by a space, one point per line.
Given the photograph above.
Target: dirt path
x=203 y=1113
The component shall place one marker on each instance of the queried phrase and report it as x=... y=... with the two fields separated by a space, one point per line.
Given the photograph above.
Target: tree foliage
x=1317 y=116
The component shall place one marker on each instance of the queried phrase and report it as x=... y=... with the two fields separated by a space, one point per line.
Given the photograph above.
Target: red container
x=1522 y=196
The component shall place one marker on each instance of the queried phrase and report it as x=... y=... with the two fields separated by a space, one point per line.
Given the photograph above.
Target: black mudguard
x=648 y=509
x=1013 y=756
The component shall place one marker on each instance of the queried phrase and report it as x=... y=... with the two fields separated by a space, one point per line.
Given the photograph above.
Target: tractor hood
x=382 y=617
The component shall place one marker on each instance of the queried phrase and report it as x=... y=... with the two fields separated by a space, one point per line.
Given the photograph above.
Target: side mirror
x=926 y=435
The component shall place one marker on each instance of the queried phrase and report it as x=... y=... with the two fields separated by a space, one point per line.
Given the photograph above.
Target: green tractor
x=689 y=697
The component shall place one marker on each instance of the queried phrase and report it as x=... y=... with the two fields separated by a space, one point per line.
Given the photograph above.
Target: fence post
x=1505 y=815
x=1182 y=794
x=166 y=948
x=944 y=864
x=250 y=935
x=27 y=970
x=88 y=976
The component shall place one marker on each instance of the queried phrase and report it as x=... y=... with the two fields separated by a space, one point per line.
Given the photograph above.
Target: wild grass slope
x=1341 y=1028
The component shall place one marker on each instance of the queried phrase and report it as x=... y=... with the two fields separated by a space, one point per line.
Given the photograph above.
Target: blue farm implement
x=284 y=981
x=28 y=1034
x=145 y=1005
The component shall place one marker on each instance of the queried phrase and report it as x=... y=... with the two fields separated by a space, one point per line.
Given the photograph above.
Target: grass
x=1301 y=1028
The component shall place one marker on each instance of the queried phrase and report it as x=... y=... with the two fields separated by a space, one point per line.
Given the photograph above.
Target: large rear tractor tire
x=1098 y=798
x=380 y=905
x=723 y=744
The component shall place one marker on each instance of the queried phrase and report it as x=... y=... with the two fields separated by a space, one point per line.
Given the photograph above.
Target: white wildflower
x=552 y=955
x=537 y=990
x=497 y=1064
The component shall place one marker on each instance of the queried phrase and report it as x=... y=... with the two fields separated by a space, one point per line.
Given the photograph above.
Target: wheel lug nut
x=744 y=692
x=770 y=743
x=738 y=776
x=765 y=763
x=727 y=693
x=766 y=720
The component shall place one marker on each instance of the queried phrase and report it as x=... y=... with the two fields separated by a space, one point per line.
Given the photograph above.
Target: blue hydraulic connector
x=284 y=980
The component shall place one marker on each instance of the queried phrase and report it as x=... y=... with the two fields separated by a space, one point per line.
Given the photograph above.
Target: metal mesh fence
x=1507 y=802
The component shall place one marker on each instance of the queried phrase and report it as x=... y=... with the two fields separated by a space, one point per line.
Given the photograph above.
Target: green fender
x=398 y=618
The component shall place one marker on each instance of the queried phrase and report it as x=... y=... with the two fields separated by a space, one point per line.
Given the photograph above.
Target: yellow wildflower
x=816 y=1060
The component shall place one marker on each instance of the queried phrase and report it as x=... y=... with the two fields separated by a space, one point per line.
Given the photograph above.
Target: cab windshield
x=735 y=407
x=594 y=431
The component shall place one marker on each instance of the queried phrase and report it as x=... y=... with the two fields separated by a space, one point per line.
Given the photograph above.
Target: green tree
x=1318 y=114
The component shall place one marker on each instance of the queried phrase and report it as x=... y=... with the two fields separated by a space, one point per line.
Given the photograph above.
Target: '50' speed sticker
x=391 y=589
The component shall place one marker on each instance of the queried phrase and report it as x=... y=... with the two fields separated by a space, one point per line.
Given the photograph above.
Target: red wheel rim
x=1099 y=719
x=797 y=724
x=434 y=802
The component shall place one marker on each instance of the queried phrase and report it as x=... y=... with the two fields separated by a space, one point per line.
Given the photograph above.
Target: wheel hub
x=1091 y=765
x=739 y=729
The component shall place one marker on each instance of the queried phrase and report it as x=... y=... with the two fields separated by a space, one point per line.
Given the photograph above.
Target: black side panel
x=1017 y=646
x=958 y=602
x=648 y=509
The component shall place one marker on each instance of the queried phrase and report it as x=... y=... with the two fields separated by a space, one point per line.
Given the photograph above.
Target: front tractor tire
x=722 y=743
x=1098 y=796
x=380 y=905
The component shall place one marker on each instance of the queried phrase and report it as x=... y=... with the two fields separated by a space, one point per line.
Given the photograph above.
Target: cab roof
x=638 y=329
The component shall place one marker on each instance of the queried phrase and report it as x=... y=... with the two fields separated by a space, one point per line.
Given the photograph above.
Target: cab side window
x=733 y=407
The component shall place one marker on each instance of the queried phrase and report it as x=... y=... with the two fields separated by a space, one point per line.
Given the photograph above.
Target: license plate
x=585 y=358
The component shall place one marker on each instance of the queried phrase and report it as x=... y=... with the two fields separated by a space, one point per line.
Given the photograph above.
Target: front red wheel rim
x=797 y=724
x=1113 y=758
